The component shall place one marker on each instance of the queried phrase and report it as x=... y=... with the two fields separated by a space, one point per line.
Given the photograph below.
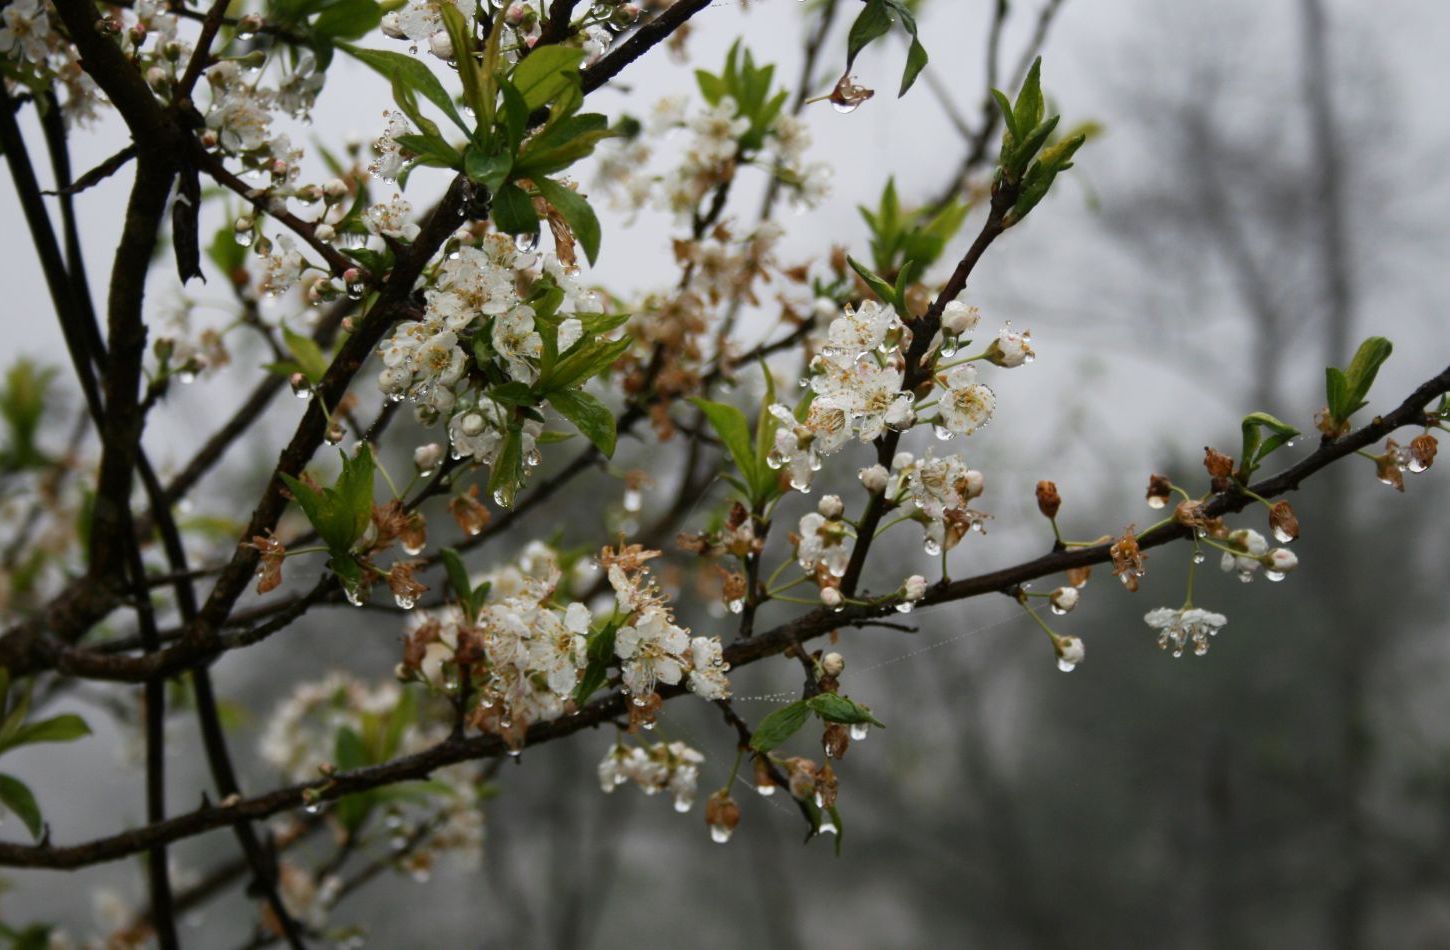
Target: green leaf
x=878 y=286
x=1004 y=105
x=780 y=726
x=508 y=469
x=561 y=145
x=546 y=72
x=476 y=91
x=589 y=415
x=1366 y=364
x=872 y=23
x=410 y=72
x=513 y=211
x=585 y=360
x=15 y=796
x=458 y=578
x=576 y=213
x=1027 y=111
x=1255 y=447
x=600 y=653
x=431 y=149
x=915 y=62
x=64 y=728
x=833 y=707
x=348 y=19
x=488 y=170
x=307 y=353
x=731 y=426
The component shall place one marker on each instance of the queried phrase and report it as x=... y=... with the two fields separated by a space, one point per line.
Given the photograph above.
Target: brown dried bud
x=732 y=591
x=414 y=534
x=269 y=572
x=415 y=647
x=1422 y=452
x=405 y=587
x=1160 y=490
x=836 y=740
x=1220 y=467
x=826 y=786
x=1387 y=466
x=1283 y=523
x=1128 y=560
x=643 y=713
x=1190 y=513
x=722 y=814
x=469 y=512
x=1327 y=424
x=1078 y=576
x=764 y=781
x=801 y=773
x=1048 y=500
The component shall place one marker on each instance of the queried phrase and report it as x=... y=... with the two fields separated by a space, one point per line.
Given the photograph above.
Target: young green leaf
x=16 y=796
x=546 y=72
x=834 y=707
x=780 y=726
x=513 y=211
x=64 y=728
x=411 y=73
x=600 y=653
x=872 y=23
x=1256 y=448
x=878 y=286
x=307 y=354
x=589 y=415
x=731 y=426
x=576 y=213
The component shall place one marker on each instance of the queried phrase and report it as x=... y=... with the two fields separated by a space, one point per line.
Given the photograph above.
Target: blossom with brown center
x=1048 y=500
x=1128 y=560
x=1190 y=513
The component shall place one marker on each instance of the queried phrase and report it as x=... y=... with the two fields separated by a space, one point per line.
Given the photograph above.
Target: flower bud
x=1063 y=599
x=1070 y=652
x=914 y=589
x=874 y=478
x=1048 y=500
x=427 y=457
x=325 y=232
x=721 y=815
x=1011 y=349
x=902 y=460
x=440 y=45
x=833 y=664
x=958 y=318
x=1078 y=576
x=831 y=506
x=1282 y=560
x=831 y=597
x=334 y=189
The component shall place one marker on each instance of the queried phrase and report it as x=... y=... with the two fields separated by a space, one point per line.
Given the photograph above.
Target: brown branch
x=605 y=710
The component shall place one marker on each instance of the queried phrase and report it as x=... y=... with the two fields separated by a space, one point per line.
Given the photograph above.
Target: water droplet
x=638 y=700
x=502 y=498
x=858 y=731
x=244 y=238
x=334 y=433
x=1415 y=465
x=1058 y=610
x=775 y=459
x=1067 y=666
x=1280 y=535
x=647 y=726
x=765 y=790
x=356 y=289
x=1156 y=501
x=931 y=547
x=904 y=607
x=845 y=107
x=1275 y=575
x=828 y=827
x=1199 y=557
x=720 y=833
x=186 y=376
x=736 y=606
x=682 y=805
x=942 y=432
x=948 y=348
x=526 y=243
x=1029 y=358
x=405 y=603
x=314 y=808
x=354 y=597
x=412 y=549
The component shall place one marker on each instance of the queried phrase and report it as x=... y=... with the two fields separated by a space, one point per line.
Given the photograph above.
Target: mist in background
x=1266 y=192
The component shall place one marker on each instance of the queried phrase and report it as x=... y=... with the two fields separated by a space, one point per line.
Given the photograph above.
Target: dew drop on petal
x=904 y=607
x=720 y=833
x=1067 y=666
x=858 y=731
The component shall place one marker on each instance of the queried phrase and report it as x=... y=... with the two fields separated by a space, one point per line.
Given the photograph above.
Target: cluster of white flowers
x=710 y=157
x=421 y=21
x=1253 y=553
x=475 y=291
x=662 y=767
x=28 y=37
x=1178 y=629
x=301 y=734
x=650 y=646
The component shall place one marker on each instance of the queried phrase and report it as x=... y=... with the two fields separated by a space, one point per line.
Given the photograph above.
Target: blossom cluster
x=671 y=767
